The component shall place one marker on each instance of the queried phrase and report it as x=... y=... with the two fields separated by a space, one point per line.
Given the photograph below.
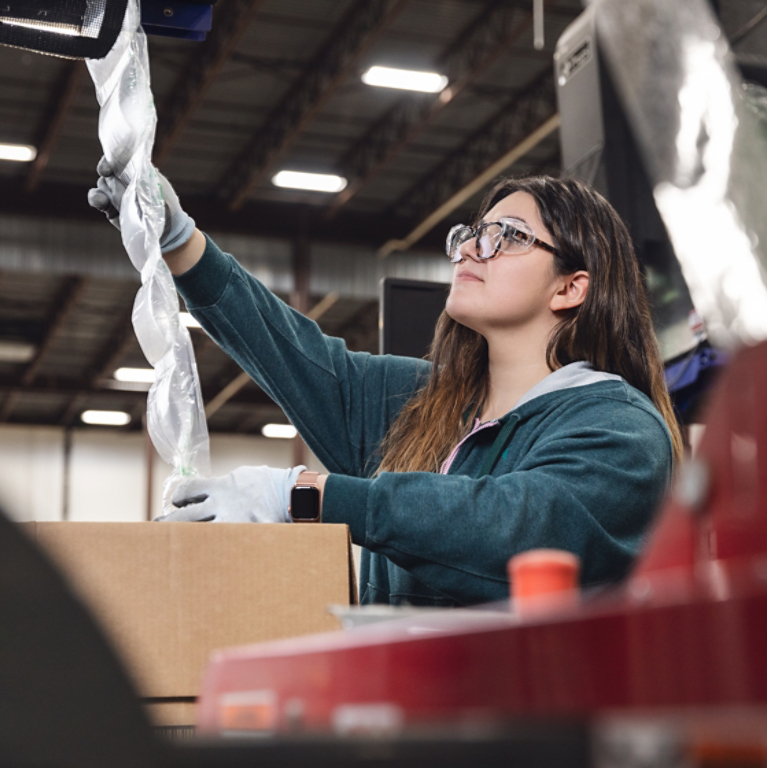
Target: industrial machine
x=683 y=637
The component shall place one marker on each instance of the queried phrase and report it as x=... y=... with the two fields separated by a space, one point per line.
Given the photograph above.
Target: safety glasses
x=512 y=236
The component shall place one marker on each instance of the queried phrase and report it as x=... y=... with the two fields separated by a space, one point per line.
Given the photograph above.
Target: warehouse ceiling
x=276 y=85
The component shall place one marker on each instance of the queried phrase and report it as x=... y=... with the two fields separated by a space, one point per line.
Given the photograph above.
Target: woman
x=541 y=419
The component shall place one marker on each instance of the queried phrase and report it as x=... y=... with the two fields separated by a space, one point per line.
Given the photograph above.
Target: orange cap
x=544 y=577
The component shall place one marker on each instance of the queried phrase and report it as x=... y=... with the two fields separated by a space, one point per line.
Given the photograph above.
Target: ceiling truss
x=359 y=28
x=62 y=97
x=64 y=306
x=195 y=81
x=472 y=52
x=510 y=125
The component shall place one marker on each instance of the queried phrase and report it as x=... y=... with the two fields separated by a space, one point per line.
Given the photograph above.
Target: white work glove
x=247 y=495
x=107 y=198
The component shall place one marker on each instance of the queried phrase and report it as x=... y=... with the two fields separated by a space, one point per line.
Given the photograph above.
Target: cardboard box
x=170 y=593
x=172 y=714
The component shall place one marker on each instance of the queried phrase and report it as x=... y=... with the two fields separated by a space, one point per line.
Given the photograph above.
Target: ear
x=571 y=291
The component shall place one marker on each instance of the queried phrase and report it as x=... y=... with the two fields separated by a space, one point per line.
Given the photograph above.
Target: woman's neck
x=516 y=363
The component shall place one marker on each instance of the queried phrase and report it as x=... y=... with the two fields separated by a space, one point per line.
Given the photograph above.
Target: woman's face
x=510 y=290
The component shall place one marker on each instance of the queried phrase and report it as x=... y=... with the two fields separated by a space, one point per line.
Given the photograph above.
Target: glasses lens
x=457 y=236
x=517 y=237
x=489 y=238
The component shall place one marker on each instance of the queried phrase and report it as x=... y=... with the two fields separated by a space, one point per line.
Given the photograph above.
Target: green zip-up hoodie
x=580 y=469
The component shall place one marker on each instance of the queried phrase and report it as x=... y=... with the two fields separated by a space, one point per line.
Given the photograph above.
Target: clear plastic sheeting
x=705 y=150
x=175 y=415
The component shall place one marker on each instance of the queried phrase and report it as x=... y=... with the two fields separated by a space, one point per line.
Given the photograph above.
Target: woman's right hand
x=107 y=198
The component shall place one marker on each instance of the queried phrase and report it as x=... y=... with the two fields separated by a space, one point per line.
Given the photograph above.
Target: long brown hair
x=611 y=329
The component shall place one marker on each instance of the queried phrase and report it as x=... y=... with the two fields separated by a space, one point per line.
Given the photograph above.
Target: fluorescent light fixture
x=16 y=352
x=285 y=431
x=20 y=153
x=405 y=79
x=59 y=29
x=314 y=182
x=138 y=375
x=188 y=321
x=106 y=418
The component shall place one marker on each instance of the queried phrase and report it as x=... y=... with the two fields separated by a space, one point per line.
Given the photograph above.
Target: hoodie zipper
x=447 y=463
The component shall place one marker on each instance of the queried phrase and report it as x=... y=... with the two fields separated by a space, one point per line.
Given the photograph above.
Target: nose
x=469 y=249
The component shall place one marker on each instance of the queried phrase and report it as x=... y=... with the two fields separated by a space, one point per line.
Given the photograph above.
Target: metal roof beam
x=266 y=218
x=110 y=354
x=63 y=95
x=204 y=66
x=509 y=135
x=477 y=47
x=108 y=360
x=121 y=340
x=65 y=305
x=348 y=41
x=65 y=387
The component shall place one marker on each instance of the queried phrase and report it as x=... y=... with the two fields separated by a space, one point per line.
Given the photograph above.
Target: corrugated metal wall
x=74 y=247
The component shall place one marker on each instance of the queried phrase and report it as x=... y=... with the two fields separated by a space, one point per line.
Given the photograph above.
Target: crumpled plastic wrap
x=705 y=149
x=175 y=413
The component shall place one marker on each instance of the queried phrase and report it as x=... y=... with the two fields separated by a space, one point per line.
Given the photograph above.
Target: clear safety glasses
x=493 y=237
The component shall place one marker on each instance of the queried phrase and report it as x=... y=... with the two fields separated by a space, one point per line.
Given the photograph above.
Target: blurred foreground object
x=542 y=580
x=64 y=699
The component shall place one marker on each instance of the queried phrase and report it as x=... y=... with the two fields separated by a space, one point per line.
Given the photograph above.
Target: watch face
x=305 y=503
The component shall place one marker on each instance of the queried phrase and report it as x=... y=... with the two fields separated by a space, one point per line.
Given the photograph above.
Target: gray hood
x=579 y=374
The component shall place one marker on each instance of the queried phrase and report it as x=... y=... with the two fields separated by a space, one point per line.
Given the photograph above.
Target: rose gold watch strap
x=307 y=478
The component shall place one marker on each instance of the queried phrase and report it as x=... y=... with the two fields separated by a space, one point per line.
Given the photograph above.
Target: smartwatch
x=305 y=499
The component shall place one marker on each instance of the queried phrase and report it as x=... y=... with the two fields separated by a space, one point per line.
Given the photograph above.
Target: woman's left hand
x=247 y=495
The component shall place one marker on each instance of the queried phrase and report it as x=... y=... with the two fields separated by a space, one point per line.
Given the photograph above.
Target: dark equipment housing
x=409 y=310
x=88 y=29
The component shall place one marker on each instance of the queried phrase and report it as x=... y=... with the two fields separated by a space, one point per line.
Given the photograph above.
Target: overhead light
x=16 y=351
x=138 y=375
x=285 y=431
x=406 y=79
x=314 y=182
x=106 y=418
x=20 y=153
x=188 y=321
x=59 y=29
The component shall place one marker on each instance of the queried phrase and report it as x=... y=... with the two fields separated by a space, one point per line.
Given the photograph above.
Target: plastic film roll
x=127 y=120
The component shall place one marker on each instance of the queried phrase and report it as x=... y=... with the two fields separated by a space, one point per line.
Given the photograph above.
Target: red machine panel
x=688 y=628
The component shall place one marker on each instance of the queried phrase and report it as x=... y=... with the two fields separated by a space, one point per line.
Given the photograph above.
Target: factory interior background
x=330 y=146
x=281 y=89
